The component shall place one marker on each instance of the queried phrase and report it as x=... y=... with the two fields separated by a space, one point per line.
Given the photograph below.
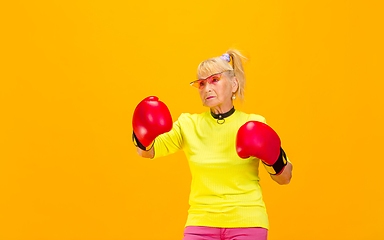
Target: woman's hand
x=257 y=139
x=150 y=119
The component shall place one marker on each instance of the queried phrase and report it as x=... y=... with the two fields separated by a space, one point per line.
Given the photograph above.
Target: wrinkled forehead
x=210 y=67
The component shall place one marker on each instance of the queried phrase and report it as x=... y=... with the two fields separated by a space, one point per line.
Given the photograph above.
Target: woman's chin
x=210 y=104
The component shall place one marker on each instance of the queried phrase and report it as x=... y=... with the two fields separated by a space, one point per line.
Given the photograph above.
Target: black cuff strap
x=279 y=165
x=139 y=144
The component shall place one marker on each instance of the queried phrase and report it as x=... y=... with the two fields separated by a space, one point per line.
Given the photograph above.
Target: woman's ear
x=235 y=85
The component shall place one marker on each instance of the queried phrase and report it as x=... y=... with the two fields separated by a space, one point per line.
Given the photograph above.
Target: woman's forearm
x=146 y=154
x=285 y=177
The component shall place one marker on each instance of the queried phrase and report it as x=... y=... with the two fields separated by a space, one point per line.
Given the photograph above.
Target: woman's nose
x=208 y=87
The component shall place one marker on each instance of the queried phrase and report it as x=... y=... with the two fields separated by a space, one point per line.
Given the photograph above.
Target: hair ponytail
x=238 y=70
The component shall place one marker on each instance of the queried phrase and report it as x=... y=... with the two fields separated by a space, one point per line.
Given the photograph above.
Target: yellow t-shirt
x=225 y=190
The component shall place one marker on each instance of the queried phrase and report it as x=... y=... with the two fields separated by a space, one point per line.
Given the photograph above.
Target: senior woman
x=224 y=147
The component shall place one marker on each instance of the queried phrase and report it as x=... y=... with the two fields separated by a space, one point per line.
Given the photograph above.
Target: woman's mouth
x=210 y=97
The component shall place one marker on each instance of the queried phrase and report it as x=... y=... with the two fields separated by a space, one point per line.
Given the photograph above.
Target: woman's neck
x=222 y=108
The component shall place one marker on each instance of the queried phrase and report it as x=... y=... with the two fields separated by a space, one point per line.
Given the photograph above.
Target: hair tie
x=226 y=57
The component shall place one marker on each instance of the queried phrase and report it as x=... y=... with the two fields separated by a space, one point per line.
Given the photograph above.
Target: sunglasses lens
x=215 y=79
x=202 y=83
x=198 y=84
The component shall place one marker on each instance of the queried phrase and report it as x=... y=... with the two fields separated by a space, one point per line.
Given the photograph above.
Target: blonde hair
x=217 y=64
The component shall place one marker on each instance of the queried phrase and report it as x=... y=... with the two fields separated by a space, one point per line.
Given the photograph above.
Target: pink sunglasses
x=213 y=79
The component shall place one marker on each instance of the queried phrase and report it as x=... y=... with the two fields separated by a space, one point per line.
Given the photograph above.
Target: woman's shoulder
x=191 y=117
x=252 y=117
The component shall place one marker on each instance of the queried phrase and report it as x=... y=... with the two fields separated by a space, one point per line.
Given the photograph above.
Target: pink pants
x=213 y=233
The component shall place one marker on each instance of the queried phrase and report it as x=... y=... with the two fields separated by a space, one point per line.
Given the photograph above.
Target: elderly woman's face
x=217 y=90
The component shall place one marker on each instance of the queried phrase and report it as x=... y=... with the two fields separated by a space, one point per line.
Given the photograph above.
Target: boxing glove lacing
x=139 y=144
x=279 y=165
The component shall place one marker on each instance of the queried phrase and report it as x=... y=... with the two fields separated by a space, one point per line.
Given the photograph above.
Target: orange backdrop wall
x=72 y=72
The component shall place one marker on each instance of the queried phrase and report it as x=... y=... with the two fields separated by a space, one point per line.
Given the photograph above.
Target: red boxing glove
x=257 y=139
x=150 y=119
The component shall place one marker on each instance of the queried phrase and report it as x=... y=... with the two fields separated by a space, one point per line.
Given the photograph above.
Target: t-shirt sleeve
x=254 y=117
x=169 y=142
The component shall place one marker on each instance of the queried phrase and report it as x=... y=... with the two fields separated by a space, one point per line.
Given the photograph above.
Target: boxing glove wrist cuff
x=279 y=165
x=139 y=144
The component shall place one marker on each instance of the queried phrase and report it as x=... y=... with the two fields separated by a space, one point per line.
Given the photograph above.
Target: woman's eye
x=215 y=79
x=201 y=84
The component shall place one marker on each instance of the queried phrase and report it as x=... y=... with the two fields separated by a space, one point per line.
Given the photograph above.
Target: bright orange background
x=72 y=73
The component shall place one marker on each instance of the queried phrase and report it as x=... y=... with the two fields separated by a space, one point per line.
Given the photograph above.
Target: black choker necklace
x=220 y=117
